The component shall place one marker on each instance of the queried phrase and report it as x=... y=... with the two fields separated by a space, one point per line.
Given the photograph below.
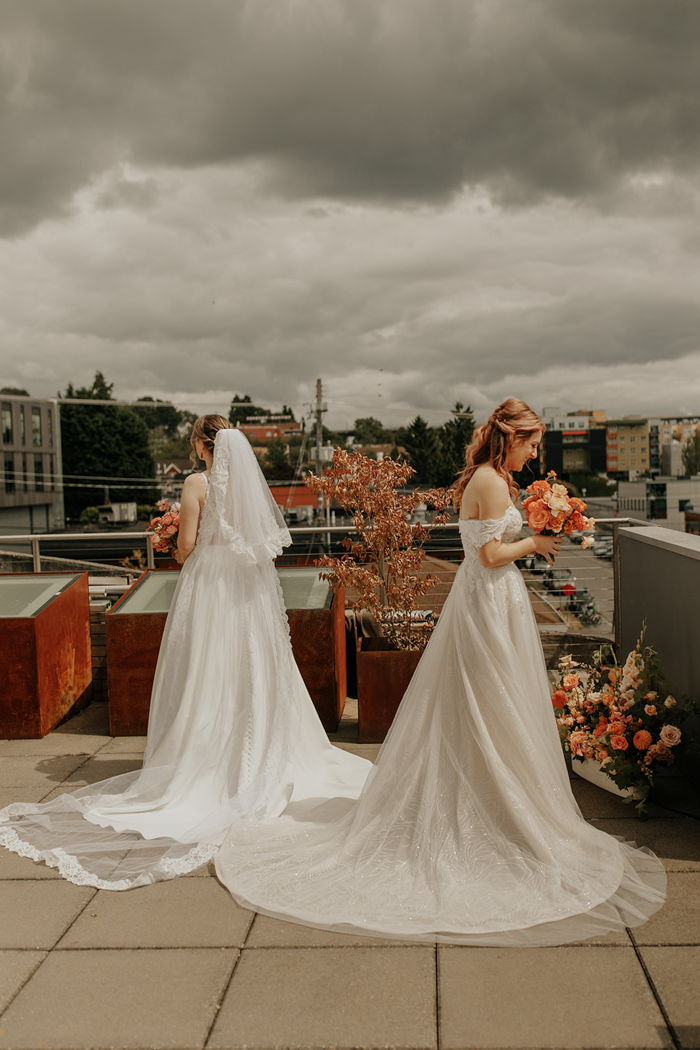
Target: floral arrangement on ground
x=550 y=510
x=165 y=527
x=623 y=718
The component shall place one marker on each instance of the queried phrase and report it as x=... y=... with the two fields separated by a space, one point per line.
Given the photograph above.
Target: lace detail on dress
x=475 y=532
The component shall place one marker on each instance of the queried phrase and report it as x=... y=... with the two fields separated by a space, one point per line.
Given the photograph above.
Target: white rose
x=557 y=503
x=670 y=735
x=669 y=702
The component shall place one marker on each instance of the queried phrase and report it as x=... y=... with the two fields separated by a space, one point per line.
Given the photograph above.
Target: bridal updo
x=205 y=429
x=512 y=422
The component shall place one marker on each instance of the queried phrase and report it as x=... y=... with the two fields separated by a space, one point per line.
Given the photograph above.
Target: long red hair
x=513 y=421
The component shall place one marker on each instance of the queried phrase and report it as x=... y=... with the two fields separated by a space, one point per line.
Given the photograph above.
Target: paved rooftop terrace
x=180 y=966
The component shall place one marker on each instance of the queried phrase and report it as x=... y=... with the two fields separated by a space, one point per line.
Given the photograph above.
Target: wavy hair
x=205 y=429
x=513 y=421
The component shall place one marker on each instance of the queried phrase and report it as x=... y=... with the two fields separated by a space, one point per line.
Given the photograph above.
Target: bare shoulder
x=492 y=493
x=195 y=485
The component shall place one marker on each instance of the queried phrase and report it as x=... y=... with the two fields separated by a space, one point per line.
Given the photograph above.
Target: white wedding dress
x=466 y=830
x=232 y=731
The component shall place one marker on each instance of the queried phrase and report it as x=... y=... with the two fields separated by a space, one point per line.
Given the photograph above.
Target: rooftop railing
x=580 y=569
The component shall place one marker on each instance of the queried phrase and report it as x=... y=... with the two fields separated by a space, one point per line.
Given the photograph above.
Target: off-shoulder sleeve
x=489 y=529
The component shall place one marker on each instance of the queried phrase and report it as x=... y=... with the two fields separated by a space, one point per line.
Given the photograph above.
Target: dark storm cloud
x=401 y=101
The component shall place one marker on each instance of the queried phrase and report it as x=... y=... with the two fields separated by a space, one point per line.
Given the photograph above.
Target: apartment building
x=31 y=488
x=666 y=501
x=627 y=442
x=573 y=443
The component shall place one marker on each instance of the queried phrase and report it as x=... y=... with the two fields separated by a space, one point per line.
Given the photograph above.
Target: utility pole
x=321 y=408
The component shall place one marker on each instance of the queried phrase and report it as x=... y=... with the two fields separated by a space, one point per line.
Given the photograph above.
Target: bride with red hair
x=466 y=830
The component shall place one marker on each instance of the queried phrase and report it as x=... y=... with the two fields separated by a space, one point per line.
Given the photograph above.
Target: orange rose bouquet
x=165 y=527
x=552 y=511
x=623 y=718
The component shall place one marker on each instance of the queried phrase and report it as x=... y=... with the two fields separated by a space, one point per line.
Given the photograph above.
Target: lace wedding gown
x=466 y=830
x=232 y=731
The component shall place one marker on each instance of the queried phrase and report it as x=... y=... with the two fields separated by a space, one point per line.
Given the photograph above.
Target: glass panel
x=9 y=472
x=303 y=587
x=36 y=426
x=152 y=594
x=39 y=473
x=25 y=596
x=49 y=416
x=7 y=422
x=22 y=426
x=25 y=474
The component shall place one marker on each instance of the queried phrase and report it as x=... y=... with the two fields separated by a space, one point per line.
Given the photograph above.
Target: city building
x=573 y=443
x=627 y=447
x=665 y=500
x=31 y=490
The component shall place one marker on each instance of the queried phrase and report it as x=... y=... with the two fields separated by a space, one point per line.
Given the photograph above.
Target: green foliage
x=275 y=464
x=146 y=511
x=104 y=441
x=422 y=443
x=89 y=516
x=369 y=431
x=242 y=407
x=593 y=485
x=178 y=448
x=165 y=417
x=332 y=437
x=454 y=437
x=19 y=391
x=691 y=454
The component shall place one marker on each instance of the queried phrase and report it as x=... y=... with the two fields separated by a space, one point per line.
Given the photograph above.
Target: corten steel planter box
x=135 y=625
x=45 y=656
x=383 y=675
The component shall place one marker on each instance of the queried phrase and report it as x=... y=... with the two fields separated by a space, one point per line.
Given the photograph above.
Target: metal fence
x=583 y=588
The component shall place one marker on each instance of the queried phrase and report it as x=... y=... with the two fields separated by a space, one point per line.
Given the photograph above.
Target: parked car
x=581 y=597
x=603 y=547
x=534 y=565
x=554 y=580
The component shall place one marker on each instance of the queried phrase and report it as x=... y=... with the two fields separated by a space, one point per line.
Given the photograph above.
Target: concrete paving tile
x=274 y=933
x=368 y=751
x=35 y=772
x=180 y=913
x=678 y=922
x=15 y=969
x=498 y=997
x=53 y=744
x=101 y=768
x=596 y=803
x=128 y=999
x=321 y=997
x=93 y=719
x=129 y=745
x=36 y=913
x=22 y=794
x=12 y=866
x=674 y=972
x=675 y=842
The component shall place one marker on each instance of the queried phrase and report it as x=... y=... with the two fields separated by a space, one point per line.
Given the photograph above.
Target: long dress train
x=232 y=730
x=466 y=830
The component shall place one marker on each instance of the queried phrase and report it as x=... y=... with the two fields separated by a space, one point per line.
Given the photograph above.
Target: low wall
x=660 y=584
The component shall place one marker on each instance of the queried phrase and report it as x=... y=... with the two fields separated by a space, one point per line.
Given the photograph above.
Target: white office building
x=31 y=483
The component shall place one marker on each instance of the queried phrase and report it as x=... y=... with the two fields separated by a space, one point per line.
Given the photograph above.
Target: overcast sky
x=416 y=200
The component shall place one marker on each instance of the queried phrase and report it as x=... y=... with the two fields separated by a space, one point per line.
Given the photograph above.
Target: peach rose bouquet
x=552 y=511
x=165 y=527
x=624 y=718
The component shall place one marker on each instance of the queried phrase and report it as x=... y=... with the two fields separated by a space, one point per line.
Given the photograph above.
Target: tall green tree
x=691 y=454
x=19 y=390
x=104 y=441
x=422 y=443
x=370 y=431
x=242 y=407
x=455 y=435
x=275 y=463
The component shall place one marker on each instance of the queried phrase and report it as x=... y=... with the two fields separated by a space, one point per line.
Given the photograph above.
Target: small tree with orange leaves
x=384 y=558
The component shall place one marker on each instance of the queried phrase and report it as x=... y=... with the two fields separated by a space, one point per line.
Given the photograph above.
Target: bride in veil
x=466 y=830
x=232 y=731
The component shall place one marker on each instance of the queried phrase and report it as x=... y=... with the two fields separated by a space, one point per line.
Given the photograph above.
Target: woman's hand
x=548 y=546
x=178 y=557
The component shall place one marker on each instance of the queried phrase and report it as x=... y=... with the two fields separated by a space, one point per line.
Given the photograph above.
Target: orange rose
x=642 y=740
x=538 y=516
x=600 y=728
x=570 y=681
x=619 y=743
x=539 y=488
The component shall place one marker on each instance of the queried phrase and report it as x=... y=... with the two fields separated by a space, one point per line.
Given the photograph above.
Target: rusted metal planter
x=134 y=638
x=383 y=675
x=45 y=657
